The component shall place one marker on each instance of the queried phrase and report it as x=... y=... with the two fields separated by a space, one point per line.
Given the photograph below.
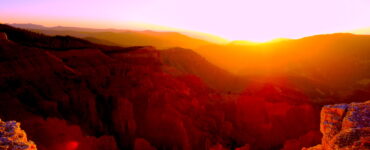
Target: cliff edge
x=345 y=127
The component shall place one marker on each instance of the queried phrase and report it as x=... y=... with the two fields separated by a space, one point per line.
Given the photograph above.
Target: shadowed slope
x=185 y=61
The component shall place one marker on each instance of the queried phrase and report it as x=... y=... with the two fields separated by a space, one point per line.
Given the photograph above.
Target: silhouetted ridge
x=39 y=40
x=125 y=38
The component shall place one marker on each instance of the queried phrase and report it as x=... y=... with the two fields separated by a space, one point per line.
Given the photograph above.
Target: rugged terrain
x=70 y=94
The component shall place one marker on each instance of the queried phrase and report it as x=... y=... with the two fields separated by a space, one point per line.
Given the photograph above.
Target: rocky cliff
x=12 y=137
x=345 y=127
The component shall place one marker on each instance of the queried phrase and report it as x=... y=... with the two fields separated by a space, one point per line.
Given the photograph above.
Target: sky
x=254 y=20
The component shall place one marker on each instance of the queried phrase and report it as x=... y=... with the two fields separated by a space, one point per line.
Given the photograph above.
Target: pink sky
x=255 y=20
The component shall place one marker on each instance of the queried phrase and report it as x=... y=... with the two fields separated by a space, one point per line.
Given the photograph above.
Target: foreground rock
x=345 y=127
x=12 y=137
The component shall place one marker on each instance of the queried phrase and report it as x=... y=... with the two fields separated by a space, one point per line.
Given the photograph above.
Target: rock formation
x=3 y=36
x=345 y=127
x=12 y=137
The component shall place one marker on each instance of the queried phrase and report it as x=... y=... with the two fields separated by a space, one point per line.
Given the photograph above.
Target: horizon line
x=142 y=27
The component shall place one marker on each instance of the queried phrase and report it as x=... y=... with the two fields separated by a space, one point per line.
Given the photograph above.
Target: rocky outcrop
x=345 y=127
x=12 y=137
x=3 y=36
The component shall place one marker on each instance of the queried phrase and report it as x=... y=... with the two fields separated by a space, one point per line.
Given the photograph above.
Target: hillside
x=333 y=63
x=185 y=61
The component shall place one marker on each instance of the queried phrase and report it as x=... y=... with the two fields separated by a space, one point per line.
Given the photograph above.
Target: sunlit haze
x=255 y=20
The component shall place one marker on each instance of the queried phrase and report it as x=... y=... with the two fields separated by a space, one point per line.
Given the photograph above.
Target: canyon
x=72 y=94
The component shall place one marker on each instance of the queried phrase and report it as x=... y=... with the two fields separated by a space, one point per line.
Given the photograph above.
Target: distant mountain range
x=122 y=37
x=320 y=59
